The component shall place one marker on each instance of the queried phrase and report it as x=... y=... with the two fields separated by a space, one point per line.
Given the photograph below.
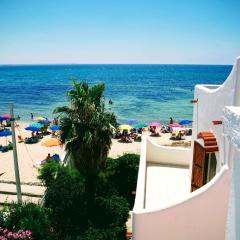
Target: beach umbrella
x=5 y=134
x=39 y=118
x=172 y=125
x=55 y=128
x=185 y=122
x=44 y=122
x=36 y=125
x=52 y=142
x=132 y=121
x=125 y=127
x=33 y=129
x=3 y=119
x=155 y=124
x=7 y=116
x=140 y=125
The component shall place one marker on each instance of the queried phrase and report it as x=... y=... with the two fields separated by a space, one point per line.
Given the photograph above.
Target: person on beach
x=31 y=116
x=171 y=120
x=48 y=158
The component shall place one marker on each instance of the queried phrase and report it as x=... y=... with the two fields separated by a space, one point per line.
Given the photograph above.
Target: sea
x=146 y=93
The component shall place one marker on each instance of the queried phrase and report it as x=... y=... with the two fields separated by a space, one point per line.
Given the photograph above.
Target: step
x=28 y=189
x=6 y=199
x=30 y=193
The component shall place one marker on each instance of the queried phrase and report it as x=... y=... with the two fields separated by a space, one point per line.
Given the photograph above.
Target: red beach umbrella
x=6 y=115
x=174 y=125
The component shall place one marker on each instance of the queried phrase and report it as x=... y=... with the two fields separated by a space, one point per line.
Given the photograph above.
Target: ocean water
x=143 y=92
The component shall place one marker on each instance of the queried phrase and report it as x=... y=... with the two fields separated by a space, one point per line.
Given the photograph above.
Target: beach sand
x=30 y=154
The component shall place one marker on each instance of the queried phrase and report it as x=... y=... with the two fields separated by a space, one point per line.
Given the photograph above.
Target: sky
x=126 y=31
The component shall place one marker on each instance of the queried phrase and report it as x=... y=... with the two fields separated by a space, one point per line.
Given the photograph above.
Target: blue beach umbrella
x=5 y=133
x=140 y=125
x=185 y=122
x=131 y=121
x=36 y=125
x=33 y=129
x=55 y=127
x=3 y=119
x=44 y=121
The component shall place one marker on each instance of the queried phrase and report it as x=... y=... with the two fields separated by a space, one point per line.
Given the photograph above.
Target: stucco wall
x=232 y=135
x=201 y=216
x=211 y=102
x=167 y=155
x=141 y=182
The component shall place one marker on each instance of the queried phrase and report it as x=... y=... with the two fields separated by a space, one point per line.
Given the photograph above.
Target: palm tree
x=86 y=127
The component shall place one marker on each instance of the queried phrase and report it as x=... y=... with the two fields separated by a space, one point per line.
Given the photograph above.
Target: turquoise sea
x=143 y=92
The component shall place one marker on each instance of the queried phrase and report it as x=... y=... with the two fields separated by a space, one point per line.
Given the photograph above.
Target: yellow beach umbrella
x=52 y=142
x=39 y=118
x=125 y=127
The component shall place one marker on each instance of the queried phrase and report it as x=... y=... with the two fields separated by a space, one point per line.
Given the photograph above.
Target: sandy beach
x=29 y=155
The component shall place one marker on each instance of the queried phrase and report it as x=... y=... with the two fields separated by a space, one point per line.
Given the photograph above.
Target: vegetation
x=86 y=128
x=86 y=131
x=48 y=172
x=123 y=173
x=27 y=218
x=67 y=198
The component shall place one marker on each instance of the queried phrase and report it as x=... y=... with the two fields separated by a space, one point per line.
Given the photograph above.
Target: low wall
x=167 y=155
x=141 y=181
x=153 y=153
x=200 y=216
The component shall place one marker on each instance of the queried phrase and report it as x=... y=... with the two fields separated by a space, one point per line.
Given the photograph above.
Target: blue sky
x=126 y=31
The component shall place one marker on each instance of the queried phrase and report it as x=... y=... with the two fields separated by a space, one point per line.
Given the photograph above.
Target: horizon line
x=41 y=64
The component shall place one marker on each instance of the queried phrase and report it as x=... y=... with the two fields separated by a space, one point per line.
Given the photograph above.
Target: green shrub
x=67 y=199
x=48 y=172
x=66 y=196
x=111 y=211
x=123 y=173
x=28 y=216
x=113 y=233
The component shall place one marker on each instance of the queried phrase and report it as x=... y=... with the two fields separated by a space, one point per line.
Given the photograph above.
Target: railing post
x=15 y=157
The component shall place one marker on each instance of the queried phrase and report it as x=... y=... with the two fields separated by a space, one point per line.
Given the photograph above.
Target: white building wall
x=167 y=155
x=212 y=99
x=201 y=216
x=232 y=135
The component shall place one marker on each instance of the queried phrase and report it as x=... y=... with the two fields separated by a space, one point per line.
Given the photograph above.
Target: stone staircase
x=31 y=192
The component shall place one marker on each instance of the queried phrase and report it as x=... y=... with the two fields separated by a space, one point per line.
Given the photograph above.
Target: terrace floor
x=165 y=185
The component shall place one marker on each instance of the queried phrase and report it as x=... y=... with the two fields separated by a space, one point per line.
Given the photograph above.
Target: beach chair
x=138 y=138
x=173 y=136
x=155 y=134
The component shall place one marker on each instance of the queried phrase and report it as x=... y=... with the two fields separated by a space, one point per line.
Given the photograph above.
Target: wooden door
x=198 y=167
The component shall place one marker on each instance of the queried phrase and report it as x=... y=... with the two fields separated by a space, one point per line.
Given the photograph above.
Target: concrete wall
x=153 y=153
x=232 y=138
x=200 y=216
x=141 y=182
x=212 y=101
x=167 y=155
